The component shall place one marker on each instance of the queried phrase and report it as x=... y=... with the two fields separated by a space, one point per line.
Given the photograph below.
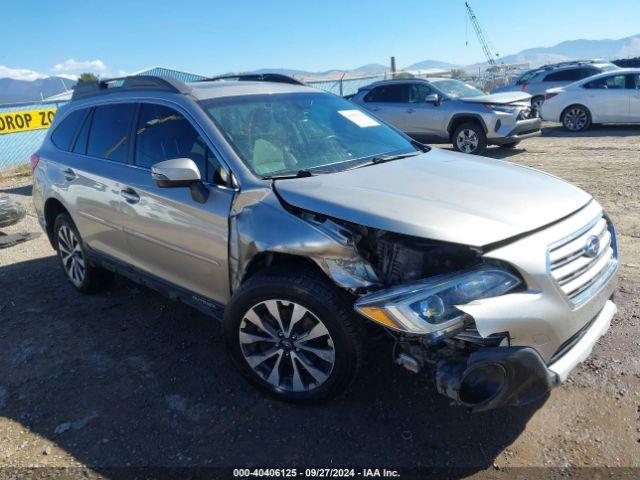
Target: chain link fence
x=22 y=129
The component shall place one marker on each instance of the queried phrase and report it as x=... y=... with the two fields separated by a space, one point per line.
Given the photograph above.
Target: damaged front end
x=477 y=372
x=411 y=287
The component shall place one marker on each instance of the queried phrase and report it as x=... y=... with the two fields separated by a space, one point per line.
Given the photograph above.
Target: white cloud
x=72 y=66
x=68 y=76
x=20 y=73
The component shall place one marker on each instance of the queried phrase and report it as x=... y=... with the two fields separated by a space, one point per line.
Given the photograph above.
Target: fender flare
x=470 y=116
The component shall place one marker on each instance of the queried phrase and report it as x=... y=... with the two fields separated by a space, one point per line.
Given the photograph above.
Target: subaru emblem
x=592 y=247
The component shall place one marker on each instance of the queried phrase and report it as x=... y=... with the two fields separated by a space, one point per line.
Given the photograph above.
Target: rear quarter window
x=64 y=134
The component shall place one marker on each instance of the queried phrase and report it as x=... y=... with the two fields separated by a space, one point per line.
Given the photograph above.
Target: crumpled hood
x=500 y=98
x=440 y=195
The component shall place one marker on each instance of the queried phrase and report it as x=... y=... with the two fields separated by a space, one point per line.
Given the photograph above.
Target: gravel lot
x=129 y=378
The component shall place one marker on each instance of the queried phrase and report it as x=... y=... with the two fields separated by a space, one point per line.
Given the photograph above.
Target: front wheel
x=470 y=138
x=576 y=118
x=294 y=335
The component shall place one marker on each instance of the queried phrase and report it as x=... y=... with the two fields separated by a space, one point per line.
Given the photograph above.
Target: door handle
x=410 y=110
x=69 y=174
x=130 y=195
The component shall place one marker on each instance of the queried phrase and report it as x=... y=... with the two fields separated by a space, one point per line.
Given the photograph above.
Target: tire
x=282 y=363
x=576 y=118
x=72 y=254
x=509 y=145
x=536 y=103
x=470 y=138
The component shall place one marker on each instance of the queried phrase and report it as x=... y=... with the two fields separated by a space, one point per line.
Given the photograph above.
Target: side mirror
x=180 y=172
x=432 y=98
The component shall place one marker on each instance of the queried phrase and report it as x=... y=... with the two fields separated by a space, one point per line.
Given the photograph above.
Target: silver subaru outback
x=438 y=109
x=306 y=225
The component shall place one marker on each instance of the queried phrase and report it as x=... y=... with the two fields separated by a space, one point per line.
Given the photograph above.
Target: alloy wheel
x=467 y=141
x=286 y=345
x=575 y=119
x=71 y=255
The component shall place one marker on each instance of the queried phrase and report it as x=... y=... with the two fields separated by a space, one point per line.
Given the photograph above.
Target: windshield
x=283 y=134
x=458 y=89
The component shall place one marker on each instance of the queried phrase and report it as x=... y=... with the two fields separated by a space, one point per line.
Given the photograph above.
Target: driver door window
x=419 y=92
x=163 y=133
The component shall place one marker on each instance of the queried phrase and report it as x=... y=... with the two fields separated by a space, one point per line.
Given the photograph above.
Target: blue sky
x=216 y=36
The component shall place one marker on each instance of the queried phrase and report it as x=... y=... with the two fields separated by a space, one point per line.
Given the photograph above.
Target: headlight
x=500 y=108
x=430 y=306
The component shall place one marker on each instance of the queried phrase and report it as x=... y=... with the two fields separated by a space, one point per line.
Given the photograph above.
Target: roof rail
x=569 y=63
x=256 y=77
x=125 y=84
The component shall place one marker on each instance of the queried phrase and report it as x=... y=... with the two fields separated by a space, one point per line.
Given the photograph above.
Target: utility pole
x=393 y=67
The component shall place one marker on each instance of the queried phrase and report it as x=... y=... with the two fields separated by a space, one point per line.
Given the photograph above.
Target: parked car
x=538 y=80
x=304 y=223
x=446 y=109
x=611 y=97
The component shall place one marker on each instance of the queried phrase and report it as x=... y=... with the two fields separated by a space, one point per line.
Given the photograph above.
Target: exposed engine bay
x=401 y=259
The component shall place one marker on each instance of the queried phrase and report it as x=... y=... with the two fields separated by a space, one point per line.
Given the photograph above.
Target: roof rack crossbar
x=123 y=84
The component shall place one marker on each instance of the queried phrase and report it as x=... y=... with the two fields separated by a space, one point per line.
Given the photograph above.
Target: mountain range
x=13 y=91
x=569 y=50
x=24 y=91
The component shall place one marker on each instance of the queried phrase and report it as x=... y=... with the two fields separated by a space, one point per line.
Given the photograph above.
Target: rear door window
x=614 y=82
x=109 y=134
x=389 y=94
x=587 y=72
x=570 y=75
x=64 y=134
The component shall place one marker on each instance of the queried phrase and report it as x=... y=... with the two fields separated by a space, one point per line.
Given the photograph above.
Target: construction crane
x=484 y=43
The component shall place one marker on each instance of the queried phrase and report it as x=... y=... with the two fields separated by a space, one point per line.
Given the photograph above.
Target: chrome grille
x=580 y=271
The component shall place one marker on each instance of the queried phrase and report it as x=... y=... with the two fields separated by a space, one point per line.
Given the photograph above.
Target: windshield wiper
x=298 y=174
x=385 y=158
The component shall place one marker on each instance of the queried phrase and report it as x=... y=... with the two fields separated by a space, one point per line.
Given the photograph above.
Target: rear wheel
x=294 y=335
x=72 y=254
x=470 y=138
x=576 y=118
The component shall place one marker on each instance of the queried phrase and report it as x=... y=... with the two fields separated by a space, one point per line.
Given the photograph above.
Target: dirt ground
x=129 y=378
